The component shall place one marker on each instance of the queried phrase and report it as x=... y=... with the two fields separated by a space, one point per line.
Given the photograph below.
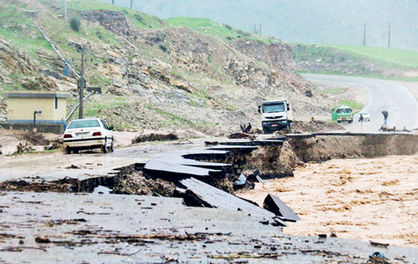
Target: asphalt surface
x=386 y=95
x=94 y=228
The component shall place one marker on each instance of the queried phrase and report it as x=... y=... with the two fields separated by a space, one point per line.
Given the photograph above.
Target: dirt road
x=366 y=199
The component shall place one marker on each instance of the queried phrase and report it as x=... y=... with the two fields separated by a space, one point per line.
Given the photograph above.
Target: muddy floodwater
x=367 y=199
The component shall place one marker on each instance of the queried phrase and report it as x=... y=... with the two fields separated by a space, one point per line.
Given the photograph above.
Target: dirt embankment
x=280 y=161
x=322 y=148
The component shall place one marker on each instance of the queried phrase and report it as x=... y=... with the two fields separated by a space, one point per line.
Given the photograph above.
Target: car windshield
x=273 y=108
x=344 y=110
x=83 y=123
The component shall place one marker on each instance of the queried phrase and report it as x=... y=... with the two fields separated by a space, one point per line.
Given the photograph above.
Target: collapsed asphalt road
x=64 y=227
x=94 y=228
x=382 y=95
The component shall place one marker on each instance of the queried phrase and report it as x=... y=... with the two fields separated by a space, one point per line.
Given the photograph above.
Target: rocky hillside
x=154 y=75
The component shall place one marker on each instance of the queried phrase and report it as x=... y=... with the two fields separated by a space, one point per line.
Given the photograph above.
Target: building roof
x=37 y=94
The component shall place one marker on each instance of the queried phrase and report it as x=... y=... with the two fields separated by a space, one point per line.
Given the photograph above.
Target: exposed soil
x=322 y=148
x=314 y=126
x=136 y=183
x=367 y=199
x=155 y=137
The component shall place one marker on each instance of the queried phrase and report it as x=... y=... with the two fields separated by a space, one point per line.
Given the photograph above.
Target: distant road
x=382 y=95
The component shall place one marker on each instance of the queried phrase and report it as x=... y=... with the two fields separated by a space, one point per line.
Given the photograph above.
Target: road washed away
x=367 y=199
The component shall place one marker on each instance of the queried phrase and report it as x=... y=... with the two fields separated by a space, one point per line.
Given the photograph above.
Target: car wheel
x=68 y=150
x=75 y=151
x=104 y=149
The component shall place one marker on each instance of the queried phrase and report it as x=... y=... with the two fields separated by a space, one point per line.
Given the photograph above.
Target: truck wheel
x=289 y=128
x=104 y=148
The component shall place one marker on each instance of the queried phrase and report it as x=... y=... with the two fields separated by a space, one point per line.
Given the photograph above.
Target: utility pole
x=257 y=28
x=65 y=9
x=81 y=85
x=389 y=35
x=364 y=35
x=131 y=4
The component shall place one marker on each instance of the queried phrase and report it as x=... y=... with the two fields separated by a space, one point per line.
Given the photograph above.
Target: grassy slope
x=29 y=40
x=384 y=57
x=210 y=27
x=145 y=21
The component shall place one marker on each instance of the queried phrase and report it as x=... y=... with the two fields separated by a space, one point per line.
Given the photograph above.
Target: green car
x=342 y=114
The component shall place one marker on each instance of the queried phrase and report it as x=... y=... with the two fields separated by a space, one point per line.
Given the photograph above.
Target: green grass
x=384 y=56
x=93 y=108
x=335 y=90
x=339 y=53
x=138 y=18
x=210 y=27
x=171 y=118
x=354 y=105
x=99 y=80
x=374 y=76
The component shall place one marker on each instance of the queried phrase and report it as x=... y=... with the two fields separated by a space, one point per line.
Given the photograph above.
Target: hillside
x=154 y=75
x=357 y=60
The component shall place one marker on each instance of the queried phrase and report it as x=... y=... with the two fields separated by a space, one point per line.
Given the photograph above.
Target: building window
x=56 y=102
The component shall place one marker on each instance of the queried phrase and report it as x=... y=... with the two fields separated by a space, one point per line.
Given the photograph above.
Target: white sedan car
x=366 y=116
x=88 y=133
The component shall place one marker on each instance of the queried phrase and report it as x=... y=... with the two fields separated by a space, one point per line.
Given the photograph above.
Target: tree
x=75 y=24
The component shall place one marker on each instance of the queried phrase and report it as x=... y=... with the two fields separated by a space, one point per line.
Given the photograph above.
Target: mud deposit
x=322 y=148
x=366 y=199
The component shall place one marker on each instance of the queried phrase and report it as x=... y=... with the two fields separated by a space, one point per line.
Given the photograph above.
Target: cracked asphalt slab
x=92 y=228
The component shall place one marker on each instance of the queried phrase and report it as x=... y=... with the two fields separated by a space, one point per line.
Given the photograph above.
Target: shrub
x=75 y=24
x=163 y=48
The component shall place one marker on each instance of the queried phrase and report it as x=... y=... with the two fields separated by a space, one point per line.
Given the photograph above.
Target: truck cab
x=275 y=115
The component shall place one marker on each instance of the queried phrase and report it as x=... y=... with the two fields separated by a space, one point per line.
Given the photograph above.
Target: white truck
x=276 y=115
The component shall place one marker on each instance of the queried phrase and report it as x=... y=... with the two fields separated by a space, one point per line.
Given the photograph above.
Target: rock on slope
x=159 y=76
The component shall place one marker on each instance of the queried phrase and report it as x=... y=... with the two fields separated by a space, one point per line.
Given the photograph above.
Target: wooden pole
x=389 y=35
x=364 y=35
x=81 y=84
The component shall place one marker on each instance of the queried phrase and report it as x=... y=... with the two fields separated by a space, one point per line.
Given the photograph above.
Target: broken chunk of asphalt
x=240 y=182
x=202 y=194
x=275 y=205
